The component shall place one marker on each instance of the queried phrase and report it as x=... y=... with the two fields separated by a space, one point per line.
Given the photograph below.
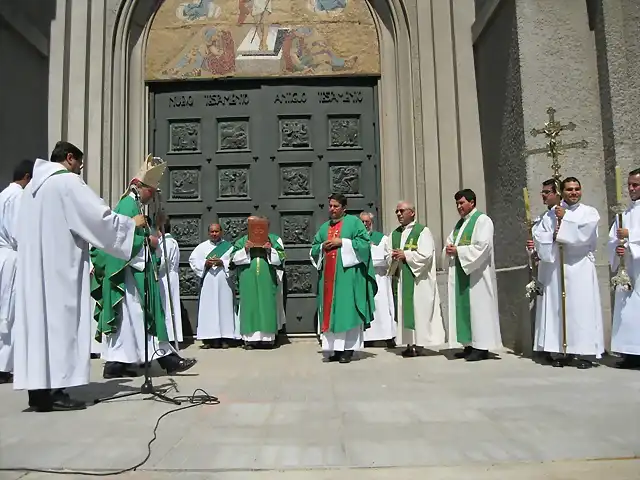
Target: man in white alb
x=413 y=265
x=217 y=322
x=625 y=241
x=169 y=277
x=566 y=239
x=473 y=293
x=383 y=327
x=59 y=216
x=9 y=204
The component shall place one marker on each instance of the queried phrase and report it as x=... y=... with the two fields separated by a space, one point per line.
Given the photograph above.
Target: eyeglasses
x=401 y=210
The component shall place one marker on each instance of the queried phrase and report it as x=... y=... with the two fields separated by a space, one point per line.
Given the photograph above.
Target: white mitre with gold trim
x=150 y=173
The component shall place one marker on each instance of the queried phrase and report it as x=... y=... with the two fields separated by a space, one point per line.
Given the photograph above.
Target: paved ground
x=290 y=415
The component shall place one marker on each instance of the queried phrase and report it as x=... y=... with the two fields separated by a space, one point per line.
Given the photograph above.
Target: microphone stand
x=147 y=387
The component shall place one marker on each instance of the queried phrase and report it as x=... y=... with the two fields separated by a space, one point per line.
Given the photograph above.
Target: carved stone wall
x=261 y=38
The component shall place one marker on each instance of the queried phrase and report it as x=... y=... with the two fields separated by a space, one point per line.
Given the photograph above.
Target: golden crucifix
x=551 y=129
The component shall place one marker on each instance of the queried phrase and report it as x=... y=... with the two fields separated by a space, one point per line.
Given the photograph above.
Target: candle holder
x=621 y=280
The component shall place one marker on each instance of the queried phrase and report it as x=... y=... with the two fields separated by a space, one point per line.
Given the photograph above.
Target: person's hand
x=398 y=254
x=622 y=233
x=451 y=250
x=140 y=221
x=153 y=241
x=530 y=245
x=559 y=212
x=332 y=244
x=267 y=245
x=620 y=250
x=249 y=245
x=217 y=262
x=209 y=262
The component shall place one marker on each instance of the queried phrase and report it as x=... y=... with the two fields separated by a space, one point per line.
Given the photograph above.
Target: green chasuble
x=376 y=237
x=108 y=283
x=463 y=305
x=258 y=285
x=408 y=279
x=354 y=287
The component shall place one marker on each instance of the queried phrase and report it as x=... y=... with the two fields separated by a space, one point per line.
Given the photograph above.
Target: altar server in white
x=574 y=227
x=418 y=311
x=473 y=294
x=59 y=216
x=9 y=203
x=625 y=335
x=383 y=327
x=169 y=276
x=217 y=322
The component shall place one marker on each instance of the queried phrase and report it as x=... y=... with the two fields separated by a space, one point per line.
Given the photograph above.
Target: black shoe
x=465 y=353
x=391 y=343
x=174 y=364
x=335 y=357
x=582 y=364
x=477 y=355
x=346 y=356
x=53 y=401
x=630 y=362
x=94 y=356
x=410 y=352
x=6 y=377
x=118 y=370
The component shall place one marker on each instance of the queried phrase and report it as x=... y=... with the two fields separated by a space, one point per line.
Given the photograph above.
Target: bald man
x=217 y=326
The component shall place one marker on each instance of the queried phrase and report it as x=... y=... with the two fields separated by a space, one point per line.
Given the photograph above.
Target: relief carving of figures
x=296 y=230
x=210 y=53
x=299 y=279
x=198 y=10
x=295 y=181
x=233 y=227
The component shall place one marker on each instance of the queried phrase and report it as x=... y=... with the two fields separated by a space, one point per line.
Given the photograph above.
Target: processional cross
x=551 y=129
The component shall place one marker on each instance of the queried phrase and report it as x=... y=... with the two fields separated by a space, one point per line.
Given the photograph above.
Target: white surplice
x=127 y=343
x=625 y=334
x=351 y=339
x=429 y=326
x=9 y=203
x=383 y=326
x=59 y=216
x=216 y=312
x=578 y=234
x=477 y=260
x=242 y=257
x=173 y=257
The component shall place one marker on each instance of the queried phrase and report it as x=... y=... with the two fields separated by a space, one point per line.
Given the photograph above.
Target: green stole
x=220 y=249
x=463 y=304
x=258 y=285
x=108 y=283
x=408 y=279
x=376 y=237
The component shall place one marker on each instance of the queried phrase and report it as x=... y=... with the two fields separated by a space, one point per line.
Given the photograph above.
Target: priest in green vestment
x=257 y=267
x=383 y=327
x=473 y=294
x=341 y=251
x=415 y=286
x=129 y=308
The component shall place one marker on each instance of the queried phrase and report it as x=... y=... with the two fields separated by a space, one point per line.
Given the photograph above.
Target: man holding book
x=258 y=256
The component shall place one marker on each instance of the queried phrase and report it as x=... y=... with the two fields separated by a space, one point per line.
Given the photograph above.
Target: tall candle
x=527 y=207
x=618 y=186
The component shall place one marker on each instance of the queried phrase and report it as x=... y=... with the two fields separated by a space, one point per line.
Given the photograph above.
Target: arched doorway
x=264 y=107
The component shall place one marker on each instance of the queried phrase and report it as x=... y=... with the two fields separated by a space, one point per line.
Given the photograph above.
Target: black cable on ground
x=194 y=400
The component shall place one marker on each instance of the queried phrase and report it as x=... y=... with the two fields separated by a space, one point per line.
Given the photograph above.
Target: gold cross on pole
x=551 y=129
